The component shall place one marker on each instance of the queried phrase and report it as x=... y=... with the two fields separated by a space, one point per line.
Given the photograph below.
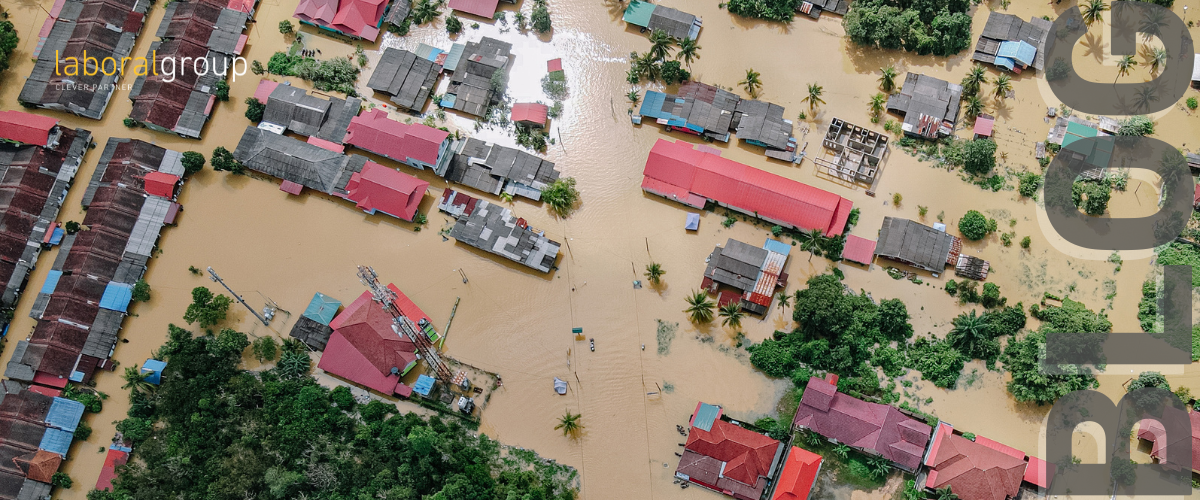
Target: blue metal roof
x=456 y=52
x=424 y=385
x=1019 y=51
x=322 y=308
x=117 y=296
x=448 y=100
x=773 y=245
x=693 y=221
x=56 y=441
x=56 y=236
x=76 y=376
x=652 y=105
x=706 y=414
x=153 y=369
x=1004 y=62
x=51 y=281
x=64 y=414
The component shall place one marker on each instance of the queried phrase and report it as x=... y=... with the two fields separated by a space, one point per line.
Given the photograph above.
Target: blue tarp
x=153 y=369
x=424 y=385
x=693 y=222
x=64 y=414
x=56 y=236
x=56 y=441
x=51 y=281
x=1018 y=51
x=322 y=308
x=777 y=246
x=117 y=296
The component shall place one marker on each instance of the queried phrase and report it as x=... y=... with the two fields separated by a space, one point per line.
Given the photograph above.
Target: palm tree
x=1093 y=11
x=887 y=78
x=880 y=467
x=811 y=242
x=877 y=102
x=974 y=80
x=634 y=97
x=971 y=335
x=974 y=107
x=814 y=95
x=1124 y=66
x=842 y=451
x=944 y=494
x=649 y=67
x=785 y=300
x=1003 y=86
x=732 y=312
x=689 y=51
x=1158 y=59
x=700 y=309
x=569 y=424
x=135 y=380
x=654 y=272
x=1145 y=95
x=660 y=45
x=751 y=83
x=1152 y=24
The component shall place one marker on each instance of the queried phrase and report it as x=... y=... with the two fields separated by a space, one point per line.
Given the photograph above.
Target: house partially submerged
x=471 y=90
x=1068 y=133
x=753 y=271
x=494 y=169
x=36 y=432
x=929 y=106
x=1012 y=44
x=482 y=8
x=872 y=428
x=377 y=188
x=653 y=17
x=852 y=153
x=530 y=114
x=494 y=229
x=814 y=8
x=1160 y=444
x=979 y=469
x=917 y=245
x=353 y=18
x=416 y=145
x=679 y=172
x=698 y=109
x=36 y=173
x=407 y=78
x=297 y=162
x=106 y=30
x=762 y=124
x=367 y=350
x=294 y=109
x=86 y=294
x=725 y=457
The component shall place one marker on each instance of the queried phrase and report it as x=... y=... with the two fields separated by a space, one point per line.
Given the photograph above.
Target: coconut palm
x=660 y=45
x=814 y=95
x=1152 y=23
x=974 y=80
x=877 y=102
x=1124 y=66
x=648 y=67
x=1003 y=86
x=700 y=309
x=887 y=78
x=634 y=97
x=732 y=312
x=135 y=380
x=569 y=424
x=1093 y=11
x=784 y=299
x=973 y=108
x=972 y=335
x=689 y=51
x=811 y=242
x=1146 y=94
x=752 y=82
x=1158 y=59
x=654 y=272
x=944 y=494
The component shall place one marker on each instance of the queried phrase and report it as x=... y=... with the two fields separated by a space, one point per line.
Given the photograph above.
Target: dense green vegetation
x=213 y=430
x=8 y=42
x=1022 y=356
x=337 y=74
x=223 y=161
x=939 y=27
x=193 y=161
x=979 y=156
x=254 y=109
x=771 y=10
x=975 y=226
x=1148 y=316
x=141 y=291
x=1181 y=254
x=656 y=64
x=561 y=196
x=1028 y=184
x=540 y=19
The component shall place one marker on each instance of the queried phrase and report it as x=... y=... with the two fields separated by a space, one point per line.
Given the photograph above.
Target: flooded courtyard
x=272 y=247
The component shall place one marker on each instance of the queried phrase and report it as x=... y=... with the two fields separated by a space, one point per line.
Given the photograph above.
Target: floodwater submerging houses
x=494 y=229
x=470 y=89
x=407 y=78
x=711 y=112
x=755 y=272
x=929 y=106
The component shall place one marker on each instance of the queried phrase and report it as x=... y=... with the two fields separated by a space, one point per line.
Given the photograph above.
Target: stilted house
x=698 y=109
x=929 y=106
x=407 y=78
x=917 y=245
x=494 y=229
x=494 y=169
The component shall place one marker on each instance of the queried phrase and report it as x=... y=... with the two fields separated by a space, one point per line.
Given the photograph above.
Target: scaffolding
x=386 y=298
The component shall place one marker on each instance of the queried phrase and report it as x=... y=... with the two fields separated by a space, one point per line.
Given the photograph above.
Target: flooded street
x=268 y=245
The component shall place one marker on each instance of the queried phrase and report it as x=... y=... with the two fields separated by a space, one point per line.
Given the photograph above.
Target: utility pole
x=404 y=326
x=214 y=277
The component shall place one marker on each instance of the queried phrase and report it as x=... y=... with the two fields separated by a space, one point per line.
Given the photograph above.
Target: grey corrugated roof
x=489 y=168
x=763 y=122
x=494 y=229
x=398 y=11
x=289 y=159
x=409 y=79
x=916 y=244
x=311 y=332
x=17 y=370
x=229 y=27
x=33 y=490
x=338 y=119
x=102 y=335
x=305 y=114
x=675 y=23
x=926 y=95
x=1007 y=27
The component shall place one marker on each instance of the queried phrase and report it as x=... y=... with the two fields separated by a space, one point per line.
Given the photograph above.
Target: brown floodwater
x=271 y=246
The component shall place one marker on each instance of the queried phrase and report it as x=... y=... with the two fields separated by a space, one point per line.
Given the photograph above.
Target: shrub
x=979 y=156
x=192 y=161
x=61 y=480
x=8 y=42
x=254 y=109
x=141 y=291
x=672 y=73
x=974 y=226
x=72 y=227
x=561 y=196
x=221 y=90
x=136 y=429
x=454 y=25
x=1025 y=242
x=1192 y=104
x=1136 y=126
x=83 y=431
x=1028 y=184
x=773 y=357
x=131 y=123
x=1091 y=196
x=286 y=27
x=1059 y=70
x=951 y=287
x=555 y=85
x=223 y=161
x=541 y=17
x=991 y=295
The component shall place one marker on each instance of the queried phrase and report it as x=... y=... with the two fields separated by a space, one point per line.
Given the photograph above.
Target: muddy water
x=268 y=245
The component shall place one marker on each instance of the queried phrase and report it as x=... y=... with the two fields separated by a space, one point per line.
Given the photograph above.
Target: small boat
x=593 y=341
x=560 y=386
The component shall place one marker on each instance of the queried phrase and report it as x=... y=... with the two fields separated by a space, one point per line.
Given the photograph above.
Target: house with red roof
x=1154 y=432
x=531 y=114
x=353 y=18
x=380 y=189
x=482 y=8
x=724 y=457
x=798 y=476
x=974 y=470
x=416 y=145
x=677 y=171
x=872 y=428
x=365 y=349
x=25 y=128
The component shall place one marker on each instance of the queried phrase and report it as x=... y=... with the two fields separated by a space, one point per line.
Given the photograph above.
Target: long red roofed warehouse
x=677 y=171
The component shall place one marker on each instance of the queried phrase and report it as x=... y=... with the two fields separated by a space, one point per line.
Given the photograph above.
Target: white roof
x=1196 y=69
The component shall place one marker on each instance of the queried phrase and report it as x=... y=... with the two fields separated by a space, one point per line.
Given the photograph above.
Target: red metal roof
x=973 y=471
x=364 y=347
x=375 y=132
x=1039 y=472
x=380 y=188
x=161 y=184
x=481 y=8
x=290 y=187
x=353 y=17
x=264 y=89
x=1153 y=431
x=773 y=197
x=860 y=424
x=26 y=128
x=324 y=144
x=45 y=391
x=748 y=455
x=343 y=359
x=983 y=125
x=859 y=250
x=246 y=6
x=109 y=471
x=799 y=473
x=530 y=112
x=554 y=65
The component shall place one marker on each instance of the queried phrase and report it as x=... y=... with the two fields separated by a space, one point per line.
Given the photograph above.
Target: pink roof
x=688 y=172
x=973 y=471
x=109 y=471
x=1039 y=472
x=364 y=348
x=884 y=429
x=747 y=454
x=1153 y=431
x=45 y=391
x=241 y=43
x=407 y=307
x=983 y=126
x=375 y=132
x=265 y=87
x=49 y=24
x=386 y=190
x=353 y=17
x=481 y=8
x=324 y=144
x=161 y=184
x=554 y=65
x=798 y=476
x=859 y=250
x=290 y=187
x=246 y=6
x=26 y=128
x=341 y=358
x=530 y=112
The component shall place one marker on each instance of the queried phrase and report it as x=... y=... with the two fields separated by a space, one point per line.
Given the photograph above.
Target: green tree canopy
x=206 y=309
x=979 y=156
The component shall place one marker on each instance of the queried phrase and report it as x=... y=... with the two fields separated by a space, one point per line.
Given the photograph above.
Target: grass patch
x=854 y=469
x=665 y=334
